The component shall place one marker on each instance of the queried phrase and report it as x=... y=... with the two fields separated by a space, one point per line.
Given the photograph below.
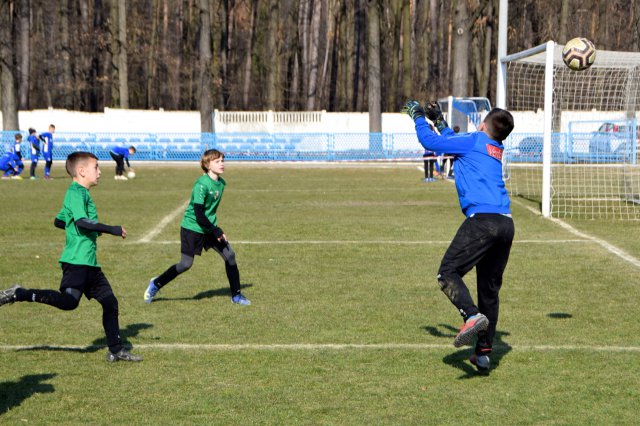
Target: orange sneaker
x=471 y=327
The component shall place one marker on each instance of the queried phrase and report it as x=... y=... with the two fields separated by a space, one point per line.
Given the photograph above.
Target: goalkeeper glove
x=434 y=113
x=413 y=109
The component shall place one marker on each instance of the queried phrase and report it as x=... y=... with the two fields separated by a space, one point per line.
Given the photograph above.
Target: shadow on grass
x=132 y=330
x=218 y=292
x=460 y=358
x=13 y=393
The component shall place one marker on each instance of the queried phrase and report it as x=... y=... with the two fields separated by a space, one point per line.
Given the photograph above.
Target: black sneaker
x=8 y=296
x=122 y=355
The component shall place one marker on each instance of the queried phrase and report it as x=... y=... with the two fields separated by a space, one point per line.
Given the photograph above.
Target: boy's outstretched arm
x=59 y=223
x=92 y=225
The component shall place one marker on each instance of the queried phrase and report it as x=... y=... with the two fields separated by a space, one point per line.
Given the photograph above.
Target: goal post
x=574 y=148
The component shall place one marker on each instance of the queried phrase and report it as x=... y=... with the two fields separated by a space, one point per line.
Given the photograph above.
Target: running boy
x=199 y=229
x=47 y=150
x=484 y=239
x=34 y=145
x=81 y=273
x=120 y=154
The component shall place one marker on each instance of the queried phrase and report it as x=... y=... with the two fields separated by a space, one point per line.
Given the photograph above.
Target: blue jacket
x=120 y=150
x=478 y=165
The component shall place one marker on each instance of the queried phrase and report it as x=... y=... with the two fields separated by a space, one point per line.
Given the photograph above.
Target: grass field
x=347 y=326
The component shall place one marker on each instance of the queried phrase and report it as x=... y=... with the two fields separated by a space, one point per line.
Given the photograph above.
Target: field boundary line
x=163 y=223
x=381 y=242
x=320 y=346
x=602 y=243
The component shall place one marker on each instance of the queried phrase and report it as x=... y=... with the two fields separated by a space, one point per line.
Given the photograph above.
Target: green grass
x=347 y=324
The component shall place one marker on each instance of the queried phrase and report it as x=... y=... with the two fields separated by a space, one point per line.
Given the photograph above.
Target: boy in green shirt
x=81 y=273
x=199 y=229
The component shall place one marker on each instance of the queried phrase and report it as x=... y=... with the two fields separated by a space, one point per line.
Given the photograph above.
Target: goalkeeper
x=484 y=239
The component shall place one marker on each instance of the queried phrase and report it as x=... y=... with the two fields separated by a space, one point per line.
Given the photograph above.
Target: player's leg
x=191 y=244
x=47 y=167
x=100 y=289
x=224 y=249
x=489 y=273
x=465 y=251
x=72 y=285
x=32 y=170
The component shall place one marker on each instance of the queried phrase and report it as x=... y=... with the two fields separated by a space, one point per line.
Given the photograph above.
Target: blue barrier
x=314 y=146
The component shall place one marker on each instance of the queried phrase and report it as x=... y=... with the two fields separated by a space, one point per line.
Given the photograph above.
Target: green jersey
x=207 y=192
x=80 y=246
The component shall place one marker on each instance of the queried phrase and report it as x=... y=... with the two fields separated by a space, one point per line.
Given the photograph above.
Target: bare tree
x=374 y=85
x=23 y=8
x=461 y=42
x=204 y=64
x=253 y=13
x=273 y=49
x=406 y=51
x=9 y=101
x=313 y=56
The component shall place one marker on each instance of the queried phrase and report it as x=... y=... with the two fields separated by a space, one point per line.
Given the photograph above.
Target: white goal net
x=594 y=151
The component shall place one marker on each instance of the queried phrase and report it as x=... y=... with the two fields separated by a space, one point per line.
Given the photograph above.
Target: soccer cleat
x=8 y=296
x=33 y=177
x=122 y=355
x=151 y=291
x=16 y=177
x=482 y=362
x=471 y=327
x=239 y=299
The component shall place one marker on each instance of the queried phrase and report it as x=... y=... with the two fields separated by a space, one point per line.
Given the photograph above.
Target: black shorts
x=192 y=243
x=88 y=279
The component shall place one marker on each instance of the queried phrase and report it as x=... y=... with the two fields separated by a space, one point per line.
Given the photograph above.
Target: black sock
x=63 y=301
x=233 y=274
x=166 y=277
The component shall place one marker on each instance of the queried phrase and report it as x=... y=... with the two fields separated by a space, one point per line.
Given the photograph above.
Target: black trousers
x=484 y=242
x=119 y=159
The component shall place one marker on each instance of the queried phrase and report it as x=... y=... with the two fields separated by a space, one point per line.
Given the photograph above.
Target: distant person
x=81 y=273
x=34 y=146
x=120 y=155
x=8 y=166
x=484 y=239
x=199 y=230
x=17 y=153
x=47 y=150
x=429 y=159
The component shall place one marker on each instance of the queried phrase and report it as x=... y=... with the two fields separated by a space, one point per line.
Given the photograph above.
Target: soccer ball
x=579 y=54
x=131 y=174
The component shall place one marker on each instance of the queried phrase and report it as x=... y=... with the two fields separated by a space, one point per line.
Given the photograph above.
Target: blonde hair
x=210 y=154
x=75 y=159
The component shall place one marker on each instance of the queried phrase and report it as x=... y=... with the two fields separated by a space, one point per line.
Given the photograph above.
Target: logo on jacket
x=494 y=152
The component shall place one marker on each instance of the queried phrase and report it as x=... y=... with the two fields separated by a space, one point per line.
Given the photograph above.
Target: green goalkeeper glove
x=434 y=113
x=413 y=109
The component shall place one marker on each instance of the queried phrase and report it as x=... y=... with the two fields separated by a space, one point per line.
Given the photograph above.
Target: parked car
x=613 y=142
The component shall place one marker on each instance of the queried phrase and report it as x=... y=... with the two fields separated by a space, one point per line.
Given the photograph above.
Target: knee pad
x=229 y=256
x=185 y=264
x=70 y=299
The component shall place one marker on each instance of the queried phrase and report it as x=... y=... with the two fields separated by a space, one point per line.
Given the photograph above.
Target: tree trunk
x=249 y=54
x=394 y=53
x=374 y=85
x=123 y=73
x=152 y=70
x=25 y=53
x=461 y=43
x=313 y=58
x=407 y=79
x=9 y=101
x=65 y=53
x=273 y=52
x=564 y=16
x=204 y=64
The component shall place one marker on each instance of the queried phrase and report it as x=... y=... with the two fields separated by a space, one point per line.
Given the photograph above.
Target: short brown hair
x=210 y=154
x=76 y=158
x=499 y=124
x=18 y=136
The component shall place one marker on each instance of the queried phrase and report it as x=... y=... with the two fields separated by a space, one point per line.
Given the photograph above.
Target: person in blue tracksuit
x=47 y=150
x=17 y=154
x=34 y=146
x=120 y=154
x=8 y=165
x=484 y=239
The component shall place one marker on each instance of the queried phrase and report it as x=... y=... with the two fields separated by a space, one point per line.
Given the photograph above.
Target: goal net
x=593 y=155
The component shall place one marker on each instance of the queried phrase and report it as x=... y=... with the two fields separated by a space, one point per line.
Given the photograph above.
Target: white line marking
x=380 y=242
x=322 y=346
x=164 y=222
x=602 y=243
